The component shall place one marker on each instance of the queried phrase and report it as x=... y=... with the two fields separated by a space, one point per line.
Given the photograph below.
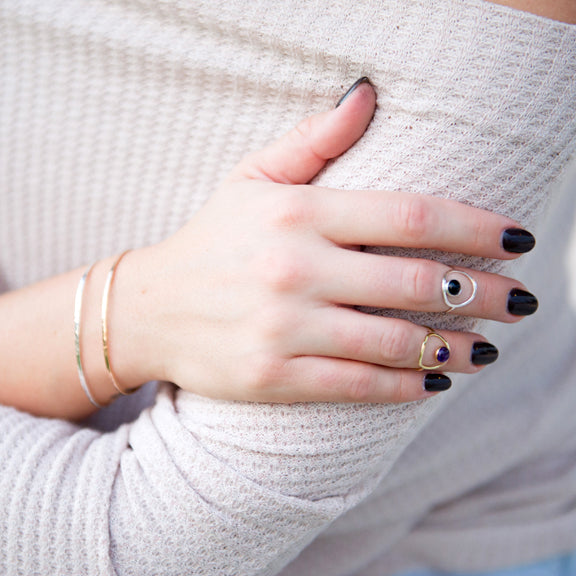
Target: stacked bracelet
x=105 y=298
x=104 y=319
x=77 y=335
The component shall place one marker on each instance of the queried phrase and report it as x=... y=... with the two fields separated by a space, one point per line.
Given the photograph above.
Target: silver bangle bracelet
x=77 y=335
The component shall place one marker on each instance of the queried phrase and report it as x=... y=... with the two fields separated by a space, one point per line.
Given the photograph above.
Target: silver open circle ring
x=452 y=289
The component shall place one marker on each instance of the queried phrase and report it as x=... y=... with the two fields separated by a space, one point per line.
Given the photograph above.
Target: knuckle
x=304 y=134
x=399 y=387
x=304 y=129
x=395 y=344
x=418 y=278
x=485 y=298
x=292 y=209
x=361 y=387
x=478 y=234
x=261 y=375
x=273 y=324
x=283 y=270
x=349 y=339
x=414 y=216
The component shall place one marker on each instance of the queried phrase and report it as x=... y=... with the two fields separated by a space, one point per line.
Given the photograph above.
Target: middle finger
x=420 y=285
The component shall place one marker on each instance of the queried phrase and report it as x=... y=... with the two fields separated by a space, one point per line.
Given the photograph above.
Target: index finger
x=379 y=218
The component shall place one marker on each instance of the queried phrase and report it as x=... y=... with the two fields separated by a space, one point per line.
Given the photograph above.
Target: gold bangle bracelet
x=78 y=334
x=105 y=299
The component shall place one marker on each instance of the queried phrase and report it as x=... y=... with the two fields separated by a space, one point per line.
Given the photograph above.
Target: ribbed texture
x=119 y=118
x=55 y=491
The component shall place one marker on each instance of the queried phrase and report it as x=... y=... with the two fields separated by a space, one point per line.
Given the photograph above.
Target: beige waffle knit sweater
x=119 y=117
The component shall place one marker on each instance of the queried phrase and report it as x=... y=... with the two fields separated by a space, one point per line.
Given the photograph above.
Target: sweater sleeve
x=214 y=487
x=193 y=486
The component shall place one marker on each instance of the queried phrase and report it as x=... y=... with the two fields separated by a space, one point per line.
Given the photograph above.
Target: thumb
x=301 y=153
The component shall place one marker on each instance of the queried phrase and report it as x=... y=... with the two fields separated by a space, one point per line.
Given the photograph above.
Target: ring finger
x=349 y=334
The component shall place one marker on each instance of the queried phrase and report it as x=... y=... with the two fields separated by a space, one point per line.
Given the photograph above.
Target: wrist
x=132 y=347
x=129 y=354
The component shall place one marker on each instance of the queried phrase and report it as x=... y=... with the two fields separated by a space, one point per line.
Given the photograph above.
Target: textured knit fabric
x=118 y=118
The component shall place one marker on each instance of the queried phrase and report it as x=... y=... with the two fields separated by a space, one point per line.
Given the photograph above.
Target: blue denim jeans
x=560 y=566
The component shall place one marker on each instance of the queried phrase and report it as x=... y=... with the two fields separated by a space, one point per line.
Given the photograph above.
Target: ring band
x=442 y=353
x=452 y=288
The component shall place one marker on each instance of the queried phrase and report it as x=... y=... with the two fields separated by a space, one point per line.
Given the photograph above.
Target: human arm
x=193 y=485
x=215 y=313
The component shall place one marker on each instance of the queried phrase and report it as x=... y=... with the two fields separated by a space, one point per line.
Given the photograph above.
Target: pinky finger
x=323 y=379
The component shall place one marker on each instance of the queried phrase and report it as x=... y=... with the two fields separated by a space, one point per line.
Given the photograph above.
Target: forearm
x=38 y=359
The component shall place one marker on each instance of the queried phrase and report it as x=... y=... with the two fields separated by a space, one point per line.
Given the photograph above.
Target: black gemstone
x=454 y=287
x=517 y=241
x=483 y=353
x=436 y=382
x=521 y=303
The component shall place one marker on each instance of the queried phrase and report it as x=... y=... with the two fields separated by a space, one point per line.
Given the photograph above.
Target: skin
x=267 y=271
x=562 y=10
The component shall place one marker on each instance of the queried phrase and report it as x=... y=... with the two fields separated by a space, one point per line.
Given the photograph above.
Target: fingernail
x=521 y=303
x=363 y=80
x=436 y=382
x=483 y=353
x=517 y=241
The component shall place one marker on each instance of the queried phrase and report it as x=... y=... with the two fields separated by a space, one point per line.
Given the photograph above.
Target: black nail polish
x=436 y=382
x=521 y=303
x=483 y=353
x=363 y=80
x=517 y=241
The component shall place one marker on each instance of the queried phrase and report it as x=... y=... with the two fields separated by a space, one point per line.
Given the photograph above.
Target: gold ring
x=442 y=353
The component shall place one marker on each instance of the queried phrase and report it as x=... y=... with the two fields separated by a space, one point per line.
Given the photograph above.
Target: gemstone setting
x=442 y=354
x=460 y=291
x=454 y=287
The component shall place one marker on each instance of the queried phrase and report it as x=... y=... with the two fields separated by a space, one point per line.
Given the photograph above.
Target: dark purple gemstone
x=442 y=354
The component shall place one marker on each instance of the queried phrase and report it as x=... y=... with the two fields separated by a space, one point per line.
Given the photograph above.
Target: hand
x=252 y=299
